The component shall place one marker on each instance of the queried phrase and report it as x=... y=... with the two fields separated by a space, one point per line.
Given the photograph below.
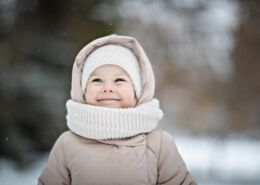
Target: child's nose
x=108 y=88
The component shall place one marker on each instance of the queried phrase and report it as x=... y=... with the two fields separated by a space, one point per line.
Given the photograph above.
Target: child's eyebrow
x=93 y=76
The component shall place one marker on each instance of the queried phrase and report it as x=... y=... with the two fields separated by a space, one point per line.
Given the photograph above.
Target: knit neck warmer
x=95 y=122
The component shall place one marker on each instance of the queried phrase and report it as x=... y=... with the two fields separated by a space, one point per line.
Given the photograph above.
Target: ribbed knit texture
x=95 y=122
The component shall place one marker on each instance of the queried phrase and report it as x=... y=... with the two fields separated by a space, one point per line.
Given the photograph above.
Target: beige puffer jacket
x=145 y=159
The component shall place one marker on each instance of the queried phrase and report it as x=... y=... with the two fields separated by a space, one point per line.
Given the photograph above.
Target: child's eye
x=120 y=80
x=97 y=80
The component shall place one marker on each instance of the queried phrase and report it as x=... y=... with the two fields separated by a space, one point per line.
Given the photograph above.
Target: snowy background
x=205 y=55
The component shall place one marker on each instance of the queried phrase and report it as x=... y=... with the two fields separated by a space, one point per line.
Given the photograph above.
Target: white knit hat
x=116 y=55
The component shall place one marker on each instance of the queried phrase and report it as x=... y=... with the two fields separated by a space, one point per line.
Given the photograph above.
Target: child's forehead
x=109 y=69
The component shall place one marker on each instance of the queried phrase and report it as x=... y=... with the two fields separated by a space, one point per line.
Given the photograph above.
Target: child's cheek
x=92 y=91
x=129 y=95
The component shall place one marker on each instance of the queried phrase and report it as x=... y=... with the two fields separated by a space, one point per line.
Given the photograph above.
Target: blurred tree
x=39 y=40
x=245 y=91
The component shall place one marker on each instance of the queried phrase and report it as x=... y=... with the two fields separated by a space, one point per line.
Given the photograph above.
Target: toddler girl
x=112 y=118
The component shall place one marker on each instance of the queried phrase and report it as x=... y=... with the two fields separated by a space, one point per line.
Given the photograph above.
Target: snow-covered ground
x=10 y=175
x=211 y=161
x=227 y=161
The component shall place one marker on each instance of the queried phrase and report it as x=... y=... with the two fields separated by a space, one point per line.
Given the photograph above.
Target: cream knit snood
x=96 y=122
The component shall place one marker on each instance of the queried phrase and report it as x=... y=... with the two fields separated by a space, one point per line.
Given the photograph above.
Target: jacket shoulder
x=64 y=137
x=154 y=141
x=157 y=138
x=159 y=134
x=70 y=137
x=68 y=140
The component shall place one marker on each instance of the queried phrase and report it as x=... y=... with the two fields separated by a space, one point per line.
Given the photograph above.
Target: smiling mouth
x=108 y=99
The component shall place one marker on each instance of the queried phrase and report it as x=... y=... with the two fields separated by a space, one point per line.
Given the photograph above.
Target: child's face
x=110 y=86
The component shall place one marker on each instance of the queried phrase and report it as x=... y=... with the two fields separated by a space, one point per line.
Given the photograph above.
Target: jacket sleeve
x=171 y=167
x=56 y=171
